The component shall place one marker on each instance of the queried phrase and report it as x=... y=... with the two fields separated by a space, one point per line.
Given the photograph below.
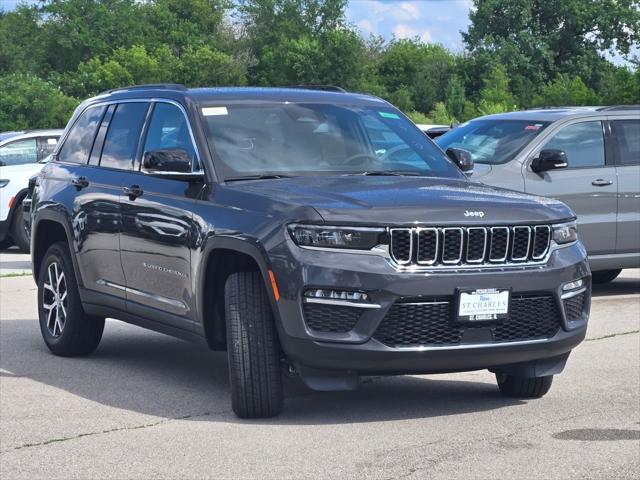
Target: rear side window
x=20 y=152
x=169 y=130
x=582 y=142
x=77 y=146
x=121 y=142
x=626 y=135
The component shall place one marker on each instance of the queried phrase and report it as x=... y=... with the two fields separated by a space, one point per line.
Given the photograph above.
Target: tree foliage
x=519 y=54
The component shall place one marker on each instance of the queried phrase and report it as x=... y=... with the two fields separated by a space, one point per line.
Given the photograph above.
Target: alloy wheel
x=54 y=299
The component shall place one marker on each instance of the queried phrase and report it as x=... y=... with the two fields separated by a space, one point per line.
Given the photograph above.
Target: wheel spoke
x=53 y=287
x=49 y=317
x=49 y=287
x=63 y=296
x=64 y=310
x=48 y=306
x=55 y=270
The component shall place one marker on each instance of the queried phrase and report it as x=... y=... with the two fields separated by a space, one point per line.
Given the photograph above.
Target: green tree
x=29 y=102
x=496 y=97
x=565 y=90
x=540 y=39
x=422 y=69
x=454 y=97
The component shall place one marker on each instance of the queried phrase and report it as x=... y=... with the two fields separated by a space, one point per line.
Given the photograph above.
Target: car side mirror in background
x=462 y=158
x=549 y=160
x=173 y=160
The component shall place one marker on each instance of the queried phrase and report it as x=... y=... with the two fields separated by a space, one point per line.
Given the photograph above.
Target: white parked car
x=21 y=156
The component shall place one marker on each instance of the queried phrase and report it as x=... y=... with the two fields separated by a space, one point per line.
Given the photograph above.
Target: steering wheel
x=353 y=158
x=393 y=150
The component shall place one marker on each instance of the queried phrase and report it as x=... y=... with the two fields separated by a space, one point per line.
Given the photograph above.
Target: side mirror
x=549 y=160
x=462 y=158
x=169 y=160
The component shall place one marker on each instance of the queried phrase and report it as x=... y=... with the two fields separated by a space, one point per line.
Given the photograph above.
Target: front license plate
x=483 y=305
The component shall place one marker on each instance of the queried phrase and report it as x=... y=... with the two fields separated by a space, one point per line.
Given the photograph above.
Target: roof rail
x=619 y=108
x=324 y=88
x=154 y=86
x=559 y=107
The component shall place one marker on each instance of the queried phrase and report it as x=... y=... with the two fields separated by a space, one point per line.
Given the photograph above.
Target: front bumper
x=358 y=352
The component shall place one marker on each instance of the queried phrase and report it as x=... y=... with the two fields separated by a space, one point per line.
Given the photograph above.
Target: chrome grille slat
x=472 y=246
x=402 y=245
x=428 y=245
x=496 y=234
x=451 y=243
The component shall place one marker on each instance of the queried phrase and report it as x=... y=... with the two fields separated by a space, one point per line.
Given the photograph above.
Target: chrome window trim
x=435 y=257
x=506 y=248
x=149 y=100
x=535 y=233
x=515 y=229
x=444 y=244
x=484 y=251
x=410 y=231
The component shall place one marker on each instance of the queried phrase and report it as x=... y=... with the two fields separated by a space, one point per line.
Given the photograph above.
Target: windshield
x=289 y=139
x=492 y=141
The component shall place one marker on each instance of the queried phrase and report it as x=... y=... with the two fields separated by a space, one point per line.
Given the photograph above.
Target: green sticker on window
x=395 y=116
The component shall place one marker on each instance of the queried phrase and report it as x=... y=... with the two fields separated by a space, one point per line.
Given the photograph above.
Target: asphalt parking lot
x=150 y=406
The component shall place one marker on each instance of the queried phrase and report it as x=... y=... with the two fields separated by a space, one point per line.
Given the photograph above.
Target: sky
x=438 y=21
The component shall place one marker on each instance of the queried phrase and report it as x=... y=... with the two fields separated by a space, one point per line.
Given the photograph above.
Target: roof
x=30 y=134
x=312 y=94
x=557 y=113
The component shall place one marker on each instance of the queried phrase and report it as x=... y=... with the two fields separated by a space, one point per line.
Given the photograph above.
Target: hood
x=356 y=199
x=481 y=170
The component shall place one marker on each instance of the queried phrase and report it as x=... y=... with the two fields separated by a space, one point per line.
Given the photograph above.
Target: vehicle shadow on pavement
x=153 y=374
x=620 y=286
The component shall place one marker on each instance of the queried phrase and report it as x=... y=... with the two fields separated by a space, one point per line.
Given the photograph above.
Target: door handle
x=601 y=182
x=134 y=191
x=80 y=182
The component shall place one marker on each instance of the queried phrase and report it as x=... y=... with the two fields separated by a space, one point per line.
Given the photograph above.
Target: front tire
x=66 y=329
x=605 y=276
x=252 y=348
x=523 y=387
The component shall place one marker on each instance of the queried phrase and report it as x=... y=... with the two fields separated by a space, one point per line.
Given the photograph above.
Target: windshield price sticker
x=483 y=305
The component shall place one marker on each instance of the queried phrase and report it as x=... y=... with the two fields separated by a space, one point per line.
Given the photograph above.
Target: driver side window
x=169 y=130
x=582 y=142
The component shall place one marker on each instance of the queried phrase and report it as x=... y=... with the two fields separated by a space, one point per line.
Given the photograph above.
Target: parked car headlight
x=356 y=238
x=565 y=232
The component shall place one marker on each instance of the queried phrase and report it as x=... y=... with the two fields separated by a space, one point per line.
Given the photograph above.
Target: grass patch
x=15 y=274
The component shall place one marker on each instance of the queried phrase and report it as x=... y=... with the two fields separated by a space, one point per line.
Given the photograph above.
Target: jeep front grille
x=469 y=245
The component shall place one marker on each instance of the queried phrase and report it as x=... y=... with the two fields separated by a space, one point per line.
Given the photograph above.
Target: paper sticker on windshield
x=211 y=111
x=395 y=116
x=536 y=126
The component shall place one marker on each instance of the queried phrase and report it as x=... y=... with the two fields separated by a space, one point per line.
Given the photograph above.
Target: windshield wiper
x=390 y=173
x=270 y=176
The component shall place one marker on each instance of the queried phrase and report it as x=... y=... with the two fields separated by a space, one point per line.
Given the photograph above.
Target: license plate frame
x=464 y=313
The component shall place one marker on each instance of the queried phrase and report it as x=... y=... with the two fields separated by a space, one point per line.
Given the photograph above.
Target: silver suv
x=587 y=157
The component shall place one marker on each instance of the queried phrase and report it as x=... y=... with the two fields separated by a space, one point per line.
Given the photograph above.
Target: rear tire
x=252 y=348
x=6 y=243
x=66 y=329
x=523 y=387
x=19 y=230
x=605 y=276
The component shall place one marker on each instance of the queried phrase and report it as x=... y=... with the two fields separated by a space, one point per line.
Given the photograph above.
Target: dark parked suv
x=311 y=232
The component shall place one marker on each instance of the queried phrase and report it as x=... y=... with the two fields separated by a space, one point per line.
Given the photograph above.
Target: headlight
x=356 y=238
x=565 y=232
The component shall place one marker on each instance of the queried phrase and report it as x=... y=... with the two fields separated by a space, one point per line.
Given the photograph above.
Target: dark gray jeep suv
x=317 y=233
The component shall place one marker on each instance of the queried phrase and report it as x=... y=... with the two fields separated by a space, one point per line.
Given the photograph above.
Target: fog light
x=336 y=295
x=573 y=285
